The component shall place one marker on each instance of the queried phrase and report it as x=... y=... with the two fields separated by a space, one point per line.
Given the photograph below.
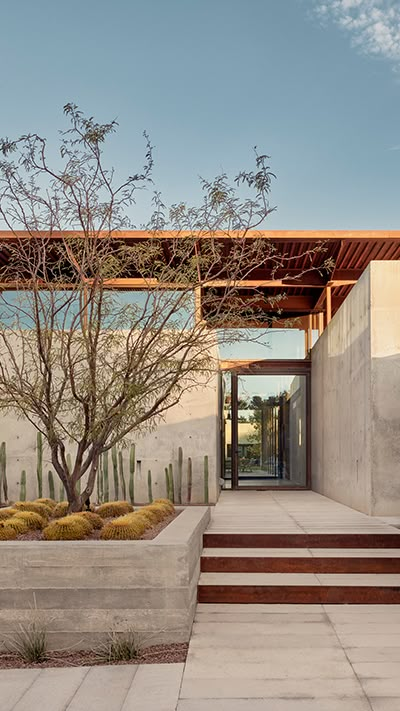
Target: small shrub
x=94 y=519
x=30 y=643
x=60 y=510
x=67 y=528
x=7 y=534
x=119 y=647
x=124 y=528
x=114 y=508
x=41 y=509
x=7 y=513
x=33 y=520
x=17 y=524
x=47 y=502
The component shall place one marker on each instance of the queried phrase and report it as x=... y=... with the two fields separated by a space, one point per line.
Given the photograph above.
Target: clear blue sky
x=316 y=85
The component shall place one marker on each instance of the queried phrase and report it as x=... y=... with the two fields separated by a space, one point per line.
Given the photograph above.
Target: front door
x=266 y=426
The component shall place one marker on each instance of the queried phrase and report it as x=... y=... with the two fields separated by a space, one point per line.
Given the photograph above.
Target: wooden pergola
x=312 y=294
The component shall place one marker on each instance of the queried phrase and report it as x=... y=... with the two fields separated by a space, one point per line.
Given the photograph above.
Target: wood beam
x=273 y=235
x=328 y=298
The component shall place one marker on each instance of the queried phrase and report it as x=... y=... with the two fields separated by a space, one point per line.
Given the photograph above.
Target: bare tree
x=77 y=359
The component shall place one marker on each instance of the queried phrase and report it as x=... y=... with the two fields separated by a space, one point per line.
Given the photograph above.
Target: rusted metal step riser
x=220 y=564
x=301 y=540
x=299 y=594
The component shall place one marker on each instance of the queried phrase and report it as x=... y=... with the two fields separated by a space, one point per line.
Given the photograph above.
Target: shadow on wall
x=178 y=460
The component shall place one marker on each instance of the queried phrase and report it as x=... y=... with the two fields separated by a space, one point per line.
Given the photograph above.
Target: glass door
x=266 y=430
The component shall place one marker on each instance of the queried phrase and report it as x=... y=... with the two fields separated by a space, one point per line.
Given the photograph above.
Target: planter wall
x=82 y=589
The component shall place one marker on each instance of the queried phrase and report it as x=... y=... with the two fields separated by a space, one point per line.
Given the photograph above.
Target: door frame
x=266 y=367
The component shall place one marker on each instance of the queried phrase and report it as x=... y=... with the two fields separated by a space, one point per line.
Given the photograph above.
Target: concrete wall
x=83 y=589
x=192 y=425
x=356 y=397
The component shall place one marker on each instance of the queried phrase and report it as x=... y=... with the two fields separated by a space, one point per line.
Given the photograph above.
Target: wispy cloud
x=373 y=25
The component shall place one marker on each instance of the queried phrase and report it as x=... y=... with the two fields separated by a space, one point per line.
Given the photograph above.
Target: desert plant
x=119 y=647
x=94 y=519
x=17 y=524
x=114 y=459
x=159 y=510
x=7 y=513
x=33 y=520
x=106 y=492
x=167 y=504
x=129 y=527
x=39 y=463
x=67 y=528
x=189 y=480
x=114 y=508
x=35 y=506
x=180 y=476
x=22 y=486
x=150 y=517
x=61 y=492
x=149 y=487
x=206 y=494
x=50 y=503
x=3 y=472
x=100 y=486
x=61 y=509
x=30 y=642
x=132 y=474
x=121 y=475
x=171 y=488
x=50 y=478
x=7 y=534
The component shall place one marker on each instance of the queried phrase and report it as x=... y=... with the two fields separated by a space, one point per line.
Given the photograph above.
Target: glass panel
x=272 y=430
x=265 y=344
x=227 y=430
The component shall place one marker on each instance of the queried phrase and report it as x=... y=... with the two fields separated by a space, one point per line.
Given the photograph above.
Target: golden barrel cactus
x=124 y=528
x=94 y=519
x=33 y=520
x=114 y=508
x=67 y=528
x=7 y=534
x=60 y=509
x=41 y=509
x=17 y=524
x=7 y=513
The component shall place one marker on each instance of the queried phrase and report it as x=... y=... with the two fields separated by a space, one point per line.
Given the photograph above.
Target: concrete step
x=300 y=560
x=296 y=588
x=389 y=539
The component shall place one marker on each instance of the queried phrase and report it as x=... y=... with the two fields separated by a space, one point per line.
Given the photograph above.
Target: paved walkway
x=288 y=512
x=250 y=657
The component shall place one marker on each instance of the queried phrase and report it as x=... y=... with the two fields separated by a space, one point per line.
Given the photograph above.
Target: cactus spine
x=106 y=488
x=206 y=479
x=180 y=472
x=171 y=491
x=132 y=474
x=3 y=472
x=39 y=463
x=22 y=491
x=121 y=475
x=51 y=485
x=149 y=487
x=189 y=480
x=114 y=459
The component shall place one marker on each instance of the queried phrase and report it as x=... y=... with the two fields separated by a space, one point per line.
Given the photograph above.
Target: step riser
x=298 y=565
x=298 y=594
x=301 y=540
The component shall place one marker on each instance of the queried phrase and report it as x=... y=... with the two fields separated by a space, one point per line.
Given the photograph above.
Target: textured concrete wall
x=192 y=425
x=355 y=397
x=83 y=589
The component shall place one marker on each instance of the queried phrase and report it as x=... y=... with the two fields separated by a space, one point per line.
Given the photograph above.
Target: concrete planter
x=83 y=588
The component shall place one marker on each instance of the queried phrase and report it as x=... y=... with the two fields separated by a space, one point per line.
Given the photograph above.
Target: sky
x=314 y=84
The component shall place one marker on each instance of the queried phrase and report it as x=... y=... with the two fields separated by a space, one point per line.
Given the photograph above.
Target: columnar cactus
x=189 y=480
x=106 y=490
x=149 y=487
x=121 y=474
x=180 y=476
x=206 y=495
x=39 y=463
x=22 y=489
x=132 y=474
x=171 y=488
x=114 y=459
x=51 y=485
x=3 y=472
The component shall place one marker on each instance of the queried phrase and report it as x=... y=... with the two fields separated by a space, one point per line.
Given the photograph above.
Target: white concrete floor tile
x=382 y=687
x=385 y=704
x=115 y=680
x=373 y=654
x=346 y=704
x=13 y=685
x=265 y=688
x=53 y=688
x=377 y=670
x=155 y=688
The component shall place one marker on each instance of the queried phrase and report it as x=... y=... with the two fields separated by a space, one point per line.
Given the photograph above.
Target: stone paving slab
x=344 y=704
